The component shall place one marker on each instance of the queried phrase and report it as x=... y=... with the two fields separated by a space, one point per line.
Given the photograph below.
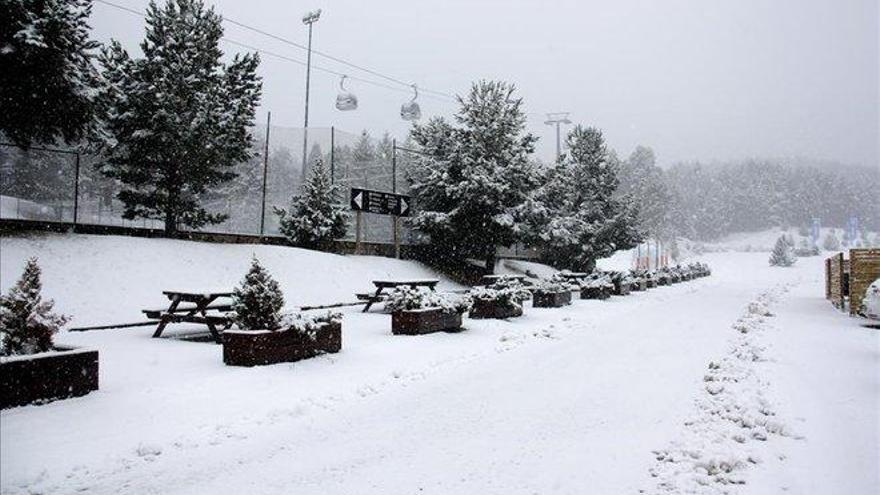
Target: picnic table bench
x=381 y=285
x=194 y=307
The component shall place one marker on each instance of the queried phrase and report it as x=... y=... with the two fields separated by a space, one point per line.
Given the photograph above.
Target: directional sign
x=382 y=203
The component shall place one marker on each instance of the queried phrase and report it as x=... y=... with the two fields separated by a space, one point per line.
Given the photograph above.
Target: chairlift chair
x=410 y=110
x=345 y=101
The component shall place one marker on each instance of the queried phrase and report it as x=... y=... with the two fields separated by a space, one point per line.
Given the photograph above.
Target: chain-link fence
x=57 y=185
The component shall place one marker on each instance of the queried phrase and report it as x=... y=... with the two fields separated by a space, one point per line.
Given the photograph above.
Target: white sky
x=693 y=79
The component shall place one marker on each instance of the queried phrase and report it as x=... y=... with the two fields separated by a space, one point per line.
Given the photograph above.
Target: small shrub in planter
x=32 y=368
x=298 y=336
x=551 y=294
x=266 y=336
x=663 y=277
x=419 y=310
x=639 y=282
x=597 y=286
x=503 y=299
x=622 y=283
x=650 y=279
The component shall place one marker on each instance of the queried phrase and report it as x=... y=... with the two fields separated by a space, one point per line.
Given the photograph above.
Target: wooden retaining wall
x=864 y=268
x=835 y=281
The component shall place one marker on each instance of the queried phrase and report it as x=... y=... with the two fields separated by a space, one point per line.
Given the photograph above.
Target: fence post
x=76 y=192
x=265 y=171
x=395 y=222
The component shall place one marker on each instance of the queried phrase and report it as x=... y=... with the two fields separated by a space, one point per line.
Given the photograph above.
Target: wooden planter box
x=37 y=378
x=621 y=289
x=259 y=347
x=596 y=292
x=551 y=299
x=421 y=321
x=490 y=309
x=639 y=286
x=651 y=283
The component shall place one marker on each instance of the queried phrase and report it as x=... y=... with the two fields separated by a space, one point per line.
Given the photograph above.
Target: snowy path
x=559 y=401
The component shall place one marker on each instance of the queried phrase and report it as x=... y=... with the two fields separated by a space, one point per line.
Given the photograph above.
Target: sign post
x=380 y=203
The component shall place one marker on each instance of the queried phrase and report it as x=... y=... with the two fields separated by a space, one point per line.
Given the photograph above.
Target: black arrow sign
x=380 y=202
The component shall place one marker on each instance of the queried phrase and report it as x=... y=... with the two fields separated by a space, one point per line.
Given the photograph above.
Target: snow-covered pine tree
x=782 y=254
x=258 y=300
x=468 y=188
x=643 y=180
x=178 y=119
x=576 y=217
x=47 y=79
x=27 y=323
x=315 y=217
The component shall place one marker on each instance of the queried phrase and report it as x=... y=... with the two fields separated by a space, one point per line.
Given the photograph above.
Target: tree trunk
x=490 y=263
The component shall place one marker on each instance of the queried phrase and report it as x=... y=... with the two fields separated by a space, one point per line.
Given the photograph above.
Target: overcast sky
x=693 y=79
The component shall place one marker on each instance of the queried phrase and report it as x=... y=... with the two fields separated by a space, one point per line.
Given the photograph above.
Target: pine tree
x=47 y=79
x=258 y=300
x=576 y=217
x=27 y=323
x=178 y=120
x=469 y=188
x=643 y=180
x=315 y=217
x=782 y=254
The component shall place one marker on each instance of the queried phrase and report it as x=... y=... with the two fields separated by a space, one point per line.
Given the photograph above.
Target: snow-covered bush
x=806 y=248
x=258 y=300
x=831 y=242
x=782 y=254
x=621 y=278
x=415 y=298
x=871 y=303
x=597 y=280
x=27 y=323
x=315 y=217
x=309 y=323
x=552 y=285
x=504 y=292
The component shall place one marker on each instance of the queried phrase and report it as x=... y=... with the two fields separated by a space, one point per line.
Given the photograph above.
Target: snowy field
x=744 y=382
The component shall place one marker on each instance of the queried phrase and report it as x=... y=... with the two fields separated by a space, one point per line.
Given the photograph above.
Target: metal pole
x=332 y=154
x=76 y=192
x=265 y=173
x=306 y=124
x=558 y=142
x=394 y=166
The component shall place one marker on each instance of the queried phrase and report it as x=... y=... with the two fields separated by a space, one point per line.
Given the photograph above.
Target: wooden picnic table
x=381 y=285
x=490 y=279
x=198 y=307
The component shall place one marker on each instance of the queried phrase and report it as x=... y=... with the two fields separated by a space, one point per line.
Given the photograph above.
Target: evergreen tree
x=644 y=181
x=576 y=217
x=315 y=217
x=27 y=323
x=178 y=120
x=469 y=189
x=258 y=300
x=47 y=79
x=782 y=254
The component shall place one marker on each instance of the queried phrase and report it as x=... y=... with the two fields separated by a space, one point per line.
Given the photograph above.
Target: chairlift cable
x=439 y=95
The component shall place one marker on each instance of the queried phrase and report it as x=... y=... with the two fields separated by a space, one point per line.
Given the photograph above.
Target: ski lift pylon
x=345 y=101
x=411 y=110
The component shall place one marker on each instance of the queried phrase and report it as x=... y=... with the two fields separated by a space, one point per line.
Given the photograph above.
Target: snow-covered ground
x=598 y=397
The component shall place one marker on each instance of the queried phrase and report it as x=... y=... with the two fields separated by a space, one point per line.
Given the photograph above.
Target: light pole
x=308 y=19
x=557 y=119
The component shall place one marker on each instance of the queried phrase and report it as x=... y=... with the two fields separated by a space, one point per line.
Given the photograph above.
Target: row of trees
x=171 y=125
x=477 y=186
